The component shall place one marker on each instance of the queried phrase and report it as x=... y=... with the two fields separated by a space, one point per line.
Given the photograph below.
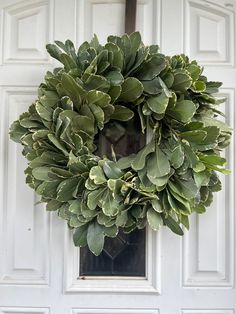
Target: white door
x=39 y=267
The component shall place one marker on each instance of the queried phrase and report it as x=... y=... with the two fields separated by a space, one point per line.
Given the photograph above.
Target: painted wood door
x=39 y=267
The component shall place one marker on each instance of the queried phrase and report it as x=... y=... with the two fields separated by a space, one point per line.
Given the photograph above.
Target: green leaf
x=97 y=82
x=132 y=89
x=111 y=170
x=54 y=51
x=98 y=98
x=154 y=219
x=135 y=39
x=94 y=197
x=173 y=225
x=44 y=112
x=177 y=157
x=125 y=162
x=122 y=113
x=98 y=115
x=159 y=103
x=186 y=188
x=194 y=71
x=116 y=57
x=57 y=144
x=97 y=175
x=66 y=189
x=17 y=131
x=182 y=81
x=80 y=236
x=158 y=164
x=183 y=111
x=73 y=89
x=198 y=86
x=151 y=68
x=41 y=173
x=195 y=136
x=156 y=205
x=140 y=159
x=53 y=205
x=115 y=78
x=95 y=238
x=114 y=93
x=111 y=231
x=110 y=206
x=213 y=160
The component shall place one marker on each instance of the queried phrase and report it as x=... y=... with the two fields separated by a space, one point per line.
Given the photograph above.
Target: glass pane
x=125 y=254
x=121 y=256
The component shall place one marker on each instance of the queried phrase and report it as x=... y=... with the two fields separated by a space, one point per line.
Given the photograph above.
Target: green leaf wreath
x=172 y=176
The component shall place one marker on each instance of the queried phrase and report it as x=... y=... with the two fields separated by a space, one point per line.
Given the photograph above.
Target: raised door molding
x=26 y=28
x=115 y=311
x=204 y=20
x=24 y=310
x=209 y=311
x=151 y=284
x=24 y=245
x=208 y=248
x=106 y=17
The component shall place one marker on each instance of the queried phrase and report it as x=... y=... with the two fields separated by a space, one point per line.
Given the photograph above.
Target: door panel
x=39 y=266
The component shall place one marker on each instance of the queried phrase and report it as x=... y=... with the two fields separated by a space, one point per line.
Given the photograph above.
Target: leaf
x=140 y=159
x=135 y=39
x=94 y=197
x=115 y=78
x=110 y=206
x=95 y=238
x=151 y=68
x=117 y=58
x=44 y=113
x=97 y=175
x=114 y=93
x=125 y=162
x=183 y=111
x=75 y=207
x=195 y=136
x=66 y=189
x=53 y=205
x=54 y=51
x=152 y=87
x=80 y=236
x=177 y=157
x=194 y=71
x=98 y=98
x=182 y=81
x=213 y=160
x=97 y=82
x=57 y=144
x=154 y=219
x=17 y=131
x=187 y=188
x=158 y=164
x=173 y=225
x=156 y=205
x=41 y=173
x=132 y=89
x=111 y=170
x=98 y=115
x=111 y=231
x=122 y=113
x=159 y=103
x=72 y=88
x=201 y=178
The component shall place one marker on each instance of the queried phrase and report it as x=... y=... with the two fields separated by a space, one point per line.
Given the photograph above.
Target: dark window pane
x=121 y=256
x=125 y=254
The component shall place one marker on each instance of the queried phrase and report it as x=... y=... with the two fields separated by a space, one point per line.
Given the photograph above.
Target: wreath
x=172 y=176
